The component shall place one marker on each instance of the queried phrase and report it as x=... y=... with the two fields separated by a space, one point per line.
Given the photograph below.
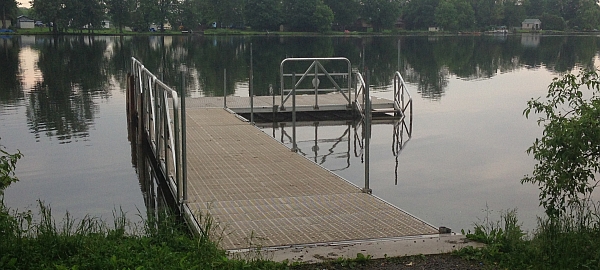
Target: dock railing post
x=251 y=88
x=224 y=88
x=316 y=85
x=367 y=188
x=294 y=146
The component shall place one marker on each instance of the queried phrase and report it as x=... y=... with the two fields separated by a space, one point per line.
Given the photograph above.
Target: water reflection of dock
x=260 y=193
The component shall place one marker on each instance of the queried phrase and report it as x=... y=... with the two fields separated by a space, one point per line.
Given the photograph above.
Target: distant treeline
x=311 y=15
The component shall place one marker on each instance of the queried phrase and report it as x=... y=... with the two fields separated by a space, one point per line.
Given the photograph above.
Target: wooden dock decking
x=263 y=194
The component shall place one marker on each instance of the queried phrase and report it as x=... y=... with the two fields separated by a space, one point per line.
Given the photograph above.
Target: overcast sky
x=24 y=3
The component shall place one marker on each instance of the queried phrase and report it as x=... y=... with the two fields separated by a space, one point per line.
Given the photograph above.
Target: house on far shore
x=434 y=29
x=531 y=24
x=25 y=22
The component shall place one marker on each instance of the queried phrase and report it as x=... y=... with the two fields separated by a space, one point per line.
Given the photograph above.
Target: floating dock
x=259 y=193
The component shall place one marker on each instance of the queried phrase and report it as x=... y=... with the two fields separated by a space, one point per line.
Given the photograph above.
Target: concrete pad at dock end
x=375 y=248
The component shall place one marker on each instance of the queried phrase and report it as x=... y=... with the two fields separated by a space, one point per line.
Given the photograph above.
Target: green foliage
x=8 y=10
x=514 y=13
x=381 y=13
x=419 y=14
x=8 y=162
x=553 y=22
x=302 y=16
x=345 y=12
x=322 y=17
x=569 y=242
x=264 y=14
x=445 y=15
x=41 y=243
x=119 y=12
x=568 y=153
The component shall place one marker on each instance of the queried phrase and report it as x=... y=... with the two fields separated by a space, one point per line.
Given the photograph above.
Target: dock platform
x=263 y=194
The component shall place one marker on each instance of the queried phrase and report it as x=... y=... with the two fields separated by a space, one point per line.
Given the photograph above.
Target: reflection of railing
x=398 y=142
x=317 y=143
x=316 y=70
x=159 y=117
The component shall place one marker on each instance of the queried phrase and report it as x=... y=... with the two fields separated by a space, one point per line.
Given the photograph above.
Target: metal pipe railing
x=359 y=91
x=162 y=116
x=315 y=70
x=401 y=104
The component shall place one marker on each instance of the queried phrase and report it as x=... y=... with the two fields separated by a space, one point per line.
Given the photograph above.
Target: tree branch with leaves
x=568 y=153
x=8 y=162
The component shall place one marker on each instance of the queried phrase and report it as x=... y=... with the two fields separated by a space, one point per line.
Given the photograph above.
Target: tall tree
x=264 y=14
x=382 y=14
x=165 y=9
x=345 y=12
x=119 y=12
x=297 y=14
x=419 y=14
x=223 y=12
x=588 y=17
x=568 y=154
x=445 y=15
x=514 y=13
x=488 y=12
x=322 y=17
x=188 y=14
x=50 y=11
x=9 y=9
x=143 y=13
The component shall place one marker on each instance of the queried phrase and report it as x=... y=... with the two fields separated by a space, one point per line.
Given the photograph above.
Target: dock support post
x=273 y=105
x=183 y=142
x=316 y=85
x=294 y=146
x=225 y=88
x=367 y=188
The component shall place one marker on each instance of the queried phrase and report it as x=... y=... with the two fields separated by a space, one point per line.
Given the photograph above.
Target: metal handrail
x=359 y=91
x=160 y=112
x=315 y=70
x=400 y=103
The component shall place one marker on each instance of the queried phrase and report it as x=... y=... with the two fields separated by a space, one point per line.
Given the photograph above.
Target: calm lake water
x=62 y=105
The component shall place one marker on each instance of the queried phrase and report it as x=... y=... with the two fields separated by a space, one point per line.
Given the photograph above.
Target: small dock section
x=304 y=103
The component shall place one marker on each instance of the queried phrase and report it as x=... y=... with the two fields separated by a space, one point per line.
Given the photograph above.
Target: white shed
x=25 y=22
x=531 y=24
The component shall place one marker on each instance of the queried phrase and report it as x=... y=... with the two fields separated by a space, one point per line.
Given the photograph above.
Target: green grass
x=569 y=242
x=38 y=242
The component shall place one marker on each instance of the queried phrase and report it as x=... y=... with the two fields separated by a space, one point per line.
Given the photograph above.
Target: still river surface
x=62 y=104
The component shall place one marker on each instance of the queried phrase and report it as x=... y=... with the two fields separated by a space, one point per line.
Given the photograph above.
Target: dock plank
x=255 y=187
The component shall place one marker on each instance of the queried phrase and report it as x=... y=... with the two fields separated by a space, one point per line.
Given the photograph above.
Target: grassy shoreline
x=225 y=32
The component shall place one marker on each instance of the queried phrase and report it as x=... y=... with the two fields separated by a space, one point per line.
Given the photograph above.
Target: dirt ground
x=433 y=262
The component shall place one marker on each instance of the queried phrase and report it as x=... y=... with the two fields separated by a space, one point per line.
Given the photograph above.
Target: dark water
x=62 y=104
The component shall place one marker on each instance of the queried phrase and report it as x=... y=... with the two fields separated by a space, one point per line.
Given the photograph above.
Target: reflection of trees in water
x=425 y=61
x=429 y=62
x=10 y=83
x=74 y=74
